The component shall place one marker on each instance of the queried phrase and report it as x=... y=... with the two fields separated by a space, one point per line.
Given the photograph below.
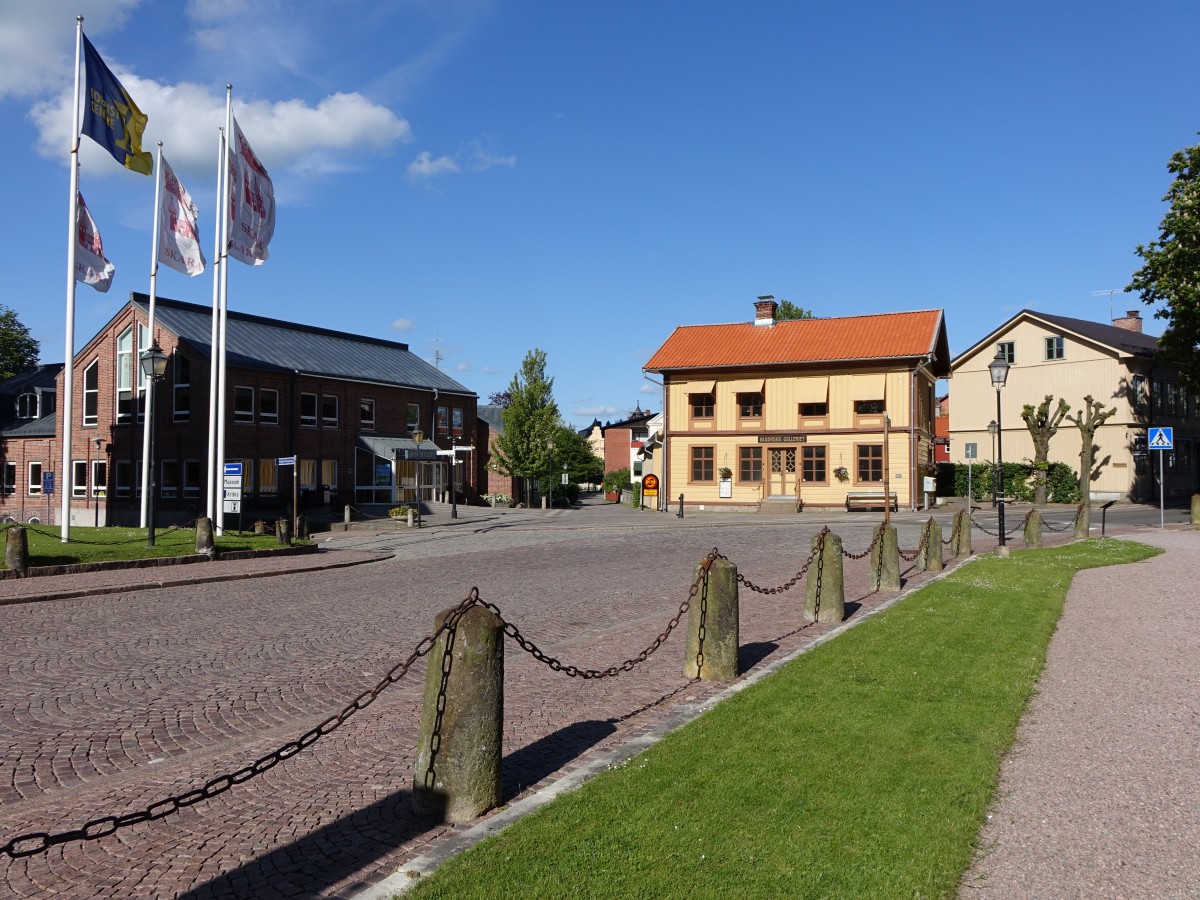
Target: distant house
x=623 y=440
x=493 y=481
x=1071 y=358
x=806 y=411
x=941 y=428
x=345 y=406
x=28 y=442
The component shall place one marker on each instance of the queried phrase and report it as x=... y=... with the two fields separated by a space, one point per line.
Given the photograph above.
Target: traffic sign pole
x=1161 y=439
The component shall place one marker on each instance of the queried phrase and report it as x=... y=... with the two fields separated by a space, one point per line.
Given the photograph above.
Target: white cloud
x=480 y=157
x=37 y=41
x=595 y=411
x=649 y=389
x=287 y=135
x=462 y=367
x=402 y=325
x=425 y=167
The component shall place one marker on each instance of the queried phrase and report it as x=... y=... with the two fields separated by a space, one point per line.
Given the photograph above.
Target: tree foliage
x=531 y=419
x=1170 y=274
x=501 y=398
x=789 y=310
x=18 y=349
x=1043 y=425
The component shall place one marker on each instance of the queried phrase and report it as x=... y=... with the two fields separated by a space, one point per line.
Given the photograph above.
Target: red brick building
x=345 y=406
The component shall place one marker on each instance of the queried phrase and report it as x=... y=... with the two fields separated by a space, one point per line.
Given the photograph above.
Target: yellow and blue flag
x=111 y=118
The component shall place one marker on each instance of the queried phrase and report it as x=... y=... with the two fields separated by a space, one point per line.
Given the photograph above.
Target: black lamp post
x=992 y=432
x=154 y=366
x=418 y=435
x=453 y=485
x=99 y=442
x=998 y=368
x=550 y=480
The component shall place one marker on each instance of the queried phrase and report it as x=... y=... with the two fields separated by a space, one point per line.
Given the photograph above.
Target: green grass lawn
x=863 y=769
x=105 y=544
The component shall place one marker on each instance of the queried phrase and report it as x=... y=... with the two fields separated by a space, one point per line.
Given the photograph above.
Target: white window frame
x=265 y=417
x=79 y=488
x=124 y=379
x=181 y=375
x=10 y=478
x=1056 y=348
x=329 y=421
x=307 y=420
x=366 y=414
x=35 y=485
x=99 y=477
x=91 y=370
x=243 y=416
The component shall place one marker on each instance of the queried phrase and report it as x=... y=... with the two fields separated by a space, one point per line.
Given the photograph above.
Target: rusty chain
x=875 y=539
x=921 y=547
x=141 y=539
x=820 y=554
x=791 y=582
x=556 y=665
x=40 y=841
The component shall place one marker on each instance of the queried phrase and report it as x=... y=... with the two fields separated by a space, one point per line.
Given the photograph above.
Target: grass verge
x=107 y=544
x=863 y=769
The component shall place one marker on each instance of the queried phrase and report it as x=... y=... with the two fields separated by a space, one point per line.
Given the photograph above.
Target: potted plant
x=724 y=473
x=841 y=473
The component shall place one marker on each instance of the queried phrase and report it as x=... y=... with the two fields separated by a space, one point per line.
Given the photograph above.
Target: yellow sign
x=650 y=485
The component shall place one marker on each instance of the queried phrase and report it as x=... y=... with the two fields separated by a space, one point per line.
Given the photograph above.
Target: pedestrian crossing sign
x=1162 y=438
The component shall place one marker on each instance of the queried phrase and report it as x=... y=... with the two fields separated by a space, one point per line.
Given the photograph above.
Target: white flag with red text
x=90 y=265
x=251 y=202
x=178 y=243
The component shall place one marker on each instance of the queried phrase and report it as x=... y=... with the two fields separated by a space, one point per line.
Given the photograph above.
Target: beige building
x=1072 y=358
x=805 y=412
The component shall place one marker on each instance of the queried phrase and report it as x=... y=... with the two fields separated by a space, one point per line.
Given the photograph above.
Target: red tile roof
x=877 y=337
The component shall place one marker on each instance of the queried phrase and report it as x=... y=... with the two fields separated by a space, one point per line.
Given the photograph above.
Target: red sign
x=650 y=484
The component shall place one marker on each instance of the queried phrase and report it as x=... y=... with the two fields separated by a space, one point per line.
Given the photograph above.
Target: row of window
x=1171 y=399
x=1055 y=348
x=177 y=478
x=813 y=463
x=750 y=406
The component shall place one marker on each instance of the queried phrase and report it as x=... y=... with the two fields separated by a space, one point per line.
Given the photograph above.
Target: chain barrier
x=556 y=665
x=70 y=540
x=820 y=553
x=41 y=841
x=1070 y=525
x=877 y=538
x=791 y=582
x=921 y=547
x=994 y=534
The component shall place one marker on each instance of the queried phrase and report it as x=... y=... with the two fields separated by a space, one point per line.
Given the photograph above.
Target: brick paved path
x=114 y=702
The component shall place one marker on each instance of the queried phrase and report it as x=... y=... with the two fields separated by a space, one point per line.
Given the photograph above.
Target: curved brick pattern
x=116 y=701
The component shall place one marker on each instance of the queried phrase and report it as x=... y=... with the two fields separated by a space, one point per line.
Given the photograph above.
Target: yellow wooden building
x=805 y=412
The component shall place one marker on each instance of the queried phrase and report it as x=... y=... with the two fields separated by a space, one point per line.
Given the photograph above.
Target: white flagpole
x=212 y=501
x=222 y=386
x=64 y=485
x=148 y=415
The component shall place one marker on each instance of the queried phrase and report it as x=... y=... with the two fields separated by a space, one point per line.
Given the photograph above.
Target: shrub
x=617 y=480
x=1062 y=484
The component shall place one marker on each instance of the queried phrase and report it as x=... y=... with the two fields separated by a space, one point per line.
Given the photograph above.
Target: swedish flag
x=111 y=118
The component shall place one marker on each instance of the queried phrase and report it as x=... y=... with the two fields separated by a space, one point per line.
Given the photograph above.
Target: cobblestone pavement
x=116 y=701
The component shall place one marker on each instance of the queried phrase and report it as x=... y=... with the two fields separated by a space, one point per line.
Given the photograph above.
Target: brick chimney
x=1131 y=322
x=764 y=310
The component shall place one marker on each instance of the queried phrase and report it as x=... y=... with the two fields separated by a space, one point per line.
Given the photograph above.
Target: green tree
x=1171 y=271
x=789 y=310
x=18 y=350
x=1043 y=425
x=531 y=420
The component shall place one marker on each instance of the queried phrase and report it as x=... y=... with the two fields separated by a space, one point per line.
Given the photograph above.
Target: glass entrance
x=781 y=480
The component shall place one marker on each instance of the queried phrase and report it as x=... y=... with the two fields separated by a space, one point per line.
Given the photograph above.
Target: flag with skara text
x=178 y=242
x=90 y=265
x=251 y=202
x=110 y=116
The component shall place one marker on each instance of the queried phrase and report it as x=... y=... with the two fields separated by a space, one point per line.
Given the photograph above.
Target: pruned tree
x=1043 y=425
x=1170 y=274
x=531 y=421
x=18 y=349
x=1088 y=420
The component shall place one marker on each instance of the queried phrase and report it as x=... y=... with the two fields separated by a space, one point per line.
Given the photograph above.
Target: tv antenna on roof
x=1110 y=293
x=437 y=353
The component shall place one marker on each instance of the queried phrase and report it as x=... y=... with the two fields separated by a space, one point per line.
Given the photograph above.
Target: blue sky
x=480 y=177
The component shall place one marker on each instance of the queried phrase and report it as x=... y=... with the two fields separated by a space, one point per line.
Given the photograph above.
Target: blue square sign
x=1161 y=438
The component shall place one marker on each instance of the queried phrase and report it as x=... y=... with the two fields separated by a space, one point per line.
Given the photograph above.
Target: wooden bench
x=870 y=500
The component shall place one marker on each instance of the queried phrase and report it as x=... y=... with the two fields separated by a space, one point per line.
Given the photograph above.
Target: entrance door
x=781 y=480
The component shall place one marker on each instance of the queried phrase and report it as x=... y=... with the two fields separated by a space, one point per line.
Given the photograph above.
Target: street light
x=418 y=435
x=99 y=442
x=154 y=367
x=453 y=487
x=992 y=432
x=998 y=368
x=550 y=479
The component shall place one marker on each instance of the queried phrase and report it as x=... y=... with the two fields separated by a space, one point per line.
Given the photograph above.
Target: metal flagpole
x=214 y=477
x=64 y=485
x=221 y=386
x=148 y=413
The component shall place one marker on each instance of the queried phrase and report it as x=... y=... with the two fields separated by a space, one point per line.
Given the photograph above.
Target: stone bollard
x=302 y=527
x=711 y=652
x=1196 y=509
x=457 y=771
x=260 y=527
x=885 y=559
x=960 y=541
x=204 y=537
x=824 y=587
x=16 y=550
x=283 y=532
x=411 y=517
x=1033 y=529
x=346 y=517
x=929 y=557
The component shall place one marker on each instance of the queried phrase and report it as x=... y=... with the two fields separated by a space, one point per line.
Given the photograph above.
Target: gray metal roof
x=38 y=379
x=256 y=342
x=493 y=415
